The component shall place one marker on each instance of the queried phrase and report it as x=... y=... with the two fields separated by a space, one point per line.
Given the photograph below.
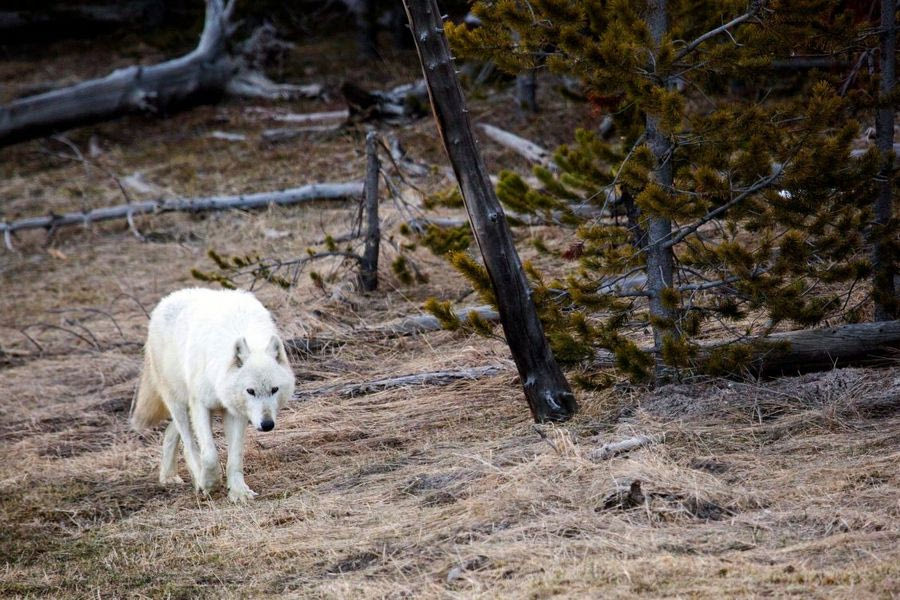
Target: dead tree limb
x=803 y=351
x=822 y=349
x=546 y=389
x=416 y=379
x=307 y=193
x=203 y=75
x=429 y=323
x=518 y=144
x=368 y=266
x=607 y=451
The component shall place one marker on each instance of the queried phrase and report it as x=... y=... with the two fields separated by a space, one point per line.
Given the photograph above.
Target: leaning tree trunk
x=202 y=73
x=548 y=393
x=883 y=232
x=660 y=260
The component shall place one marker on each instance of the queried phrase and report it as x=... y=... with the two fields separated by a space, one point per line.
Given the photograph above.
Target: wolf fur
x=211 y=351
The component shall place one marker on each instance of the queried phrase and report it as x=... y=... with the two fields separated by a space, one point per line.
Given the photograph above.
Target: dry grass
x=786 y=488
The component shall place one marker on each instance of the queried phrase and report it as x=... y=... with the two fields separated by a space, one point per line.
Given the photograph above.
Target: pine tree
x=731 y=196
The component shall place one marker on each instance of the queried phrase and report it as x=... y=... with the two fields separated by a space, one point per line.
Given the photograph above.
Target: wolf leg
x=234 y=436
x=208 y=470
x=182 y=422
x=168 y=467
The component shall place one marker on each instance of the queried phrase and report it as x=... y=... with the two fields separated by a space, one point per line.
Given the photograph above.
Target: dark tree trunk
x=368 y=272
x=526 y=90
x=660 y=259
x=883 y=231
x=549 y=395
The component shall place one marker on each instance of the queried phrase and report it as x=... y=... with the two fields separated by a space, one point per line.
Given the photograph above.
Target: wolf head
x=260 y=383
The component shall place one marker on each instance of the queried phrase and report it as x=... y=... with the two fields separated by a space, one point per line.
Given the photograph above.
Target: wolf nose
x=267 y=425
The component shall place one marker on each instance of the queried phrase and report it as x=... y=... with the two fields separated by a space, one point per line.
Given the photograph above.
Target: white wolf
x=211 y=351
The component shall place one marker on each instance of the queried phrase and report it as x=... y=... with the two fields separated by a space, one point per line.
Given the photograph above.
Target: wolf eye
x=274 y=390
x=251 y=391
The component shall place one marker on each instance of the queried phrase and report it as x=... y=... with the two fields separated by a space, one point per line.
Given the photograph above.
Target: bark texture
x=884 y=232
x=858 y=344
x=368 y=267
x=660 y=260
x=546 y=389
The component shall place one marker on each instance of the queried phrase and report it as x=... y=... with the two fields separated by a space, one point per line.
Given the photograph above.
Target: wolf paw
x=241 y=493
x=170 y=480
x=208 y=479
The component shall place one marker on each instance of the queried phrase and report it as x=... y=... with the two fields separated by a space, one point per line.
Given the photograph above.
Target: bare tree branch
x=755 y=7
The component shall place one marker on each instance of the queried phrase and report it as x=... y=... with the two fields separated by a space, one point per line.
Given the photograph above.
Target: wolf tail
x=147 y=407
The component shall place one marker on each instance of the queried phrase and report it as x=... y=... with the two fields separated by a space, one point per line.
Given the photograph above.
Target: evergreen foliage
x=746 y=173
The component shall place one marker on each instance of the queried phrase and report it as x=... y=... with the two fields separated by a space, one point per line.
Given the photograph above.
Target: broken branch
x=416 y=379
x=607 y=451
x=307 y=193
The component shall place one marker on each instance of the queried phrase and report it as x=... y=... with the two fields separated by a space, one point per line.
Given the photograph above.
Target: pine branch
x=755 y=7
x=686 y=231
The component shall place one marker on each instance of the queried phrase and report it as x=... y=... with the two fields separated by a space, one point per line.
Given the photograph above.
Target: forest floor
x=784 y=488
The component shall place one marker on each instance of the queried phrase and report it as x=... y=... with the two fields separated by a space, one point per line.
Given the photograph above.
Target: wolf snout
x=267 y=425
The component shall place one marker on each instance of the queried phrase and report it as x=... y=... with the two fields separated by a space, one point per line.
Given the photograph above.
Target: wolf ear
x=241 y=352
x=276 y=350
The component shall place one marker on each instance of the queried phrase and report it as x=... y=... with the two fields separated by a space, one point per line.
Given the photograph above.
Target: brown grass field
x=786 y=488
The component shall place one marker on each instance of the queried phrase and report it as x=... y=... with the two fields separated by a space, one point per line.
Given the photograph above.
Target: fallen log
x=429 y=323
x=400 y=158
x=794 y=352
x=518 y=144
x=278 y=135
x=416 y=379
x=307 y=193
x=607 y=451
x=203 y=75
x=315 y=117
x=858 y=344
x=392 y=329
x=253 y=84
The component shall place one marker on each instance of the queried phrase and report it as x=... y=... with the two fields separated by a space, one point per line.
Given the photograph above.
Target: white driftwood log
x=202 y=75
x=607 y=451
x=416 y=379
x=278 y=135
x=428 y=323
x=518 y=144
x=253 y=84
x=202 y=72
x=316 y=117
x=306 y=193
